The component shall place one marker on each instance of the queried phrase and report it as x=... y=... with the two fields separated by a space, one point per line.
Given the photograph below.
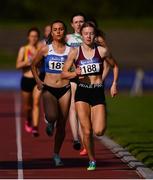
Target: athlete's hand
x=113 y=90
x=40 y=85
x=78 y=71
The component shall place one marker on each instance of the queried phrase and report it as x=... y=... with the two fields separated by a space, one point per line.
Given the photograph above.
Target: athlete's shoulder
x=103 y=51
x=68 y=35
x=26 y=46
x=101 y=48
x=73 y=52
x=41 y=44
x=43 y=50
x=22 y=49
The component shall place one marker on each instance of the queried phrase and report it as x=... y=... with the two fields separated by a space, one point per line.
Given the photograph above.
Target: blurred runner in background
x=137 y=87
x=75 y=40
x=29 y=91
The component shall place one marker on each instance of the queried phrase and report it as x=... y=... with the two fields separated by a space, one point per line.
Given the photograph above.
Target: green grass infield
x=130 y=123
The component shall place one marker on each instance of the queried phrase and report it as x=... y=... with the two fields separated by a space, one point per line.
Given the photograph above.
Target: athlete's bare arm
x=66 y=74
x=101 y=41
x=105 y=54
x=105 y=70
x=34 y=67
x=20 y=63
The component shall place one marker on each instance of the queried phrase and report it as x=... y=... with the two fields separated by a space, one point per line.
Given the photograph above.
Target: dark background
x=101 y=9
x=128 y=25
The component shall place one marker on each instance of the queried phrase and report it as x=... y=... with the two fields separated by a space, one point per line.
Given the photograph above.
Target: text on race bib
x=90 y=68
x=55 y=65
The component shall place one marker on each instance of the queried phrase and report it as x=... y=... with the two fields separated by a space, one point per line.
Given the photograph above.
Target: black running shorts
x=27 y=84
x=93 y=94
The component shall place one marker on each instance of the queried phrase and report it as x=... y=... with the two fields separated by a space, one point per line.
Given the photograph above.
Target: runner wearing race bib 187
x=90 y=97
x=55 y=90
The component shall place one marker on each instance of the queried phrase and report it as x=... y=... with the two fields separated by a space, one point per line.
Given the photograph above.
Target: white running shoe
x=57 y=160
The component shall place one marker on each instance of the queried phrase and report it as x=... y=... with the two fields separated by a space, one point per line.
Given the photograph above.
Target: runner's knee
x=51 y=117
x=87 y=133
x=100 y=132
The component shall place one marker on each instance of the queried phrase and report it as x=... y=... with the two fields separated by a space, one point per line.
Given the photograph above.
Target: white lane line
x=125 y=156
x=17 y=106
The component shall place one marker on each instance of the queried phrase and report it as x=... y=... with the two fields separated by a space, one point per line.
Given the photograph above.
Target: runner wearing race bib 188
x=90 y=97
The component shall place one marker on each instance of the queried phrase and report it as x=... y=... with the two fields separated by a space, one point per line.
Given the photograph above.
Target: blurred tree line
x=51 y=9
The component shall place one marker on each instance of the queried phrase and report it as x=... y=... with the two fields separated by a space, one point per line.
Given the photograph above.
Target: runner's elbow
x=63 y=75
x=17 y=66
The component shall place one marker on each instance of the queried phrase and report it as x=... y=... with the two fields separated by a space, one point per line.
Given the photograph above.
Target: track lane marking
x=17 y=106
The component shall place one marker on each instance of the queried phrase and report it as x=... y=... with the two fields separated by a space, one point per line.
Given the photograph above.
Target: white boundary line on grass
x=125 y=156
x=17 y=106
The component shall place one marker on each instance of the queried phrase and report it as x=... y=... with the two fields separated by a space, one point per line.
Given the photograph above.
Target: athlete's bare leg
x=84 y=114
x=27 y=105
x=36 y=106
x=64 y=105
x=50 y=107
x=72 y=113
x=98 y=122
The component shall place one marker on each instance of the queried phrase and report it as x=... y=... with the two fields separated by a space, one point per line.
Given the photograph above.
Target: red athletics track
x=36 y=152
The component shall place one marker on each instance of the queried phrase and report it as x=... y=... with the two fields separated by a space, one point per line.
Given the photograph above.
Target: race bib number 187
x=55 y=65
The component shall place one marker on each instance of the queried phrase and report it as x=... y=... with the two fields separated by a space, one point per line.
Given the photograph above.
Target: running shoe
x=83 y=152
x=76 y=145
x=92 y=166
x=57 y=160
x=28 y=127
x=50 y=128
x=35 y=131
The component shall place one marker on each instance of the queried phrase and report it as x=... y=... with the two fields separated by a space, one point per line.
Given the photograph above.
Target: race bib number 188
x=90 y=68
